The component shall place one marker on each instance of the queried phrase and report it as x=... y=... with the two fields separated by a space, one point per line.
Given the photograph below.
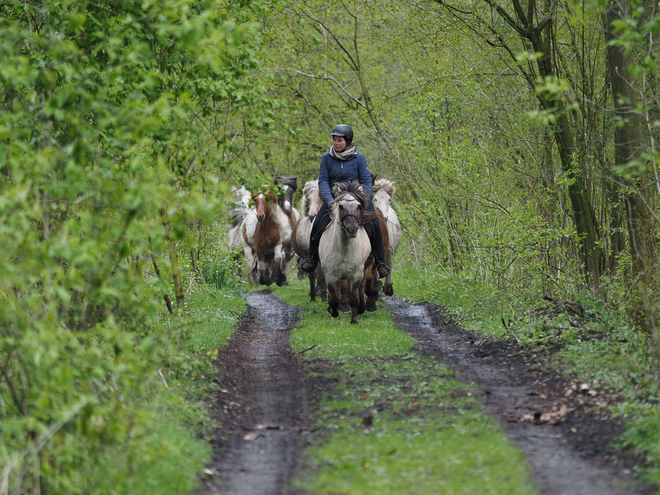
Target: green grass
x=475 y=307
x=599 y=347
x=213 y=317
x=396 y=422
x=167 y=446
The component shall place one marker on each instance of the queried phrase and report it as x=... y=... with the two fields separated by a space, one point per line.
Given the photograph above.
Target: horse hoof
x=354 y=322
x=389 y=290
x=333 y=312
x=371 y=307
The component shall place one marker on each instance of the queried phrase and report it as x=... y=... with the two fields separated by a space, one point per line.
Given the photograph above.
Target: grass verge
x=166 y=444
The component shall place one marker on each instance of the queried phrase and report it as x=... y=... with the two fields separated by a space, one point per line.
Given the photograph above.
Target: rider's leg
x=321 y=221
x=376 y=239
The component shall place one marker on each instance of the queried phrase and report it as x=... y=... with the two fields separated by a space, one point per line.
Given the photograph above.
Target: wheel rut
x=262 y=407
x=510 y=392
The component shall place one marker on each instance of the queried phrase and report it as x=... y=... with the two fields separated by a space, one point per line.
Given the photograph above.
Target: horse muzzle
x=260 y=218
x=351 y=232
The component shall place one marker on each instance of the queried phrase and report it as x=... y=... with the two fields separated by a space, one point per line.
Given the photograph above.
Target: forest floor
x=268 y=394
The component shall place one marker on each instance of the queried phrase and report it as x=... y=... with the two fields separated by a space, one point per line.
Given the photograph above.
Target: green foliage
x=109 y=146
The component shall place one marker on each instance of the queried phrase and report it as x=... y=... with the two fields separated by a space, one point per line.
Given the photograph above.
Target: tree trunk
x=629 y=142
x=584 y=216
x=176 y=278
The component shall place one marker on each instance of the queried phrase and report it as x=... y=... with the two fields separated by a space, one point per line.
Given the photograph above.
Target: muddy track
x=567 y=456
x=262 y=407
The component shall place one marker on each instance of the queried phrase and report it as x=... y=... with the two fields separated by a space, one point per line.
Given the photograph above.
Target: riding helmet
x=344 y=131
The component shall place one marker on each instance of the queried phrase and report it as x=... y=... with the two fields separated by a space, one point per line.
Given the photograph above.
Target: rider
x=342 y=164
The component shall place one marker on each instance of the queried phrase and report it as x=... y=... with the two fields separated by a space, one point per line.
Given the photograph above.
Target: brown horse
x=373 y=284
x=271 y=232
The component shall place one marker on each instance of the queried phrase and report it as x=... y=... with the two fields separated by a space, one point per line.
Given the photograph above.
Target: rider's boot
x=383 y=270
x=309 y=265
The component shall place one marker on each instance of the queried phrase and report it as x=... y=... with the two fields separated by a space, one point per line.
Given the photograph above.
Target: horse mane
x=310 y=187
x=236 y=216
x=385 y=185
x=354 y=189
x=292 y=181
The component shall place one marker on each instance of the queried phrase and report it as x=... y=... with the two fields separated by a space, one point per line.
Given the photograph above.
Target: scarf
x=347 y=154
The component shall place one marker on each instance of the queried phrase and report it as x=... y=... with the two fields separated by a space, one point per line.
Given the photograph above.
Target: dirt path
x=262 y=408
x=565 y=452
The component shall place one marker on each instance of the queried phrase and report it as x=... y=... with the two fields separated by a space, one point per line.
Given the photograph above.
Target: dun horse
x=345 y=247
x=311 y=203
x=381 y=196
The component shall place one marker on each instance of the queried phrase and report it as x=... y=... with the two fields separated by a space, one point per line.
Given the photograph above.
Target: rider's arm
x=324 y=179
x=364 y=176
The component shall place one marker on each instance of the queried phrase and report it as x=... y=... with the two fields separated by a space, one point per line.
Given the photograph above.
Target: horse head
x=381 y=195
x=241 y=195
x=262 y=204
x=349 y=206
x=289 y=186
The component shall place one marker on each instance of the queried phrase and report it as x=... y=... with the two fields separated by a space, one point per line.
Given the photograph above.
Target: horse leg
x=388 y=289
x=370 y=287
x=355 y=300
x=320 y=283
x=312 y=287
x=279 y=264
x=264 y=276
x=333 y=300
x=344 y=303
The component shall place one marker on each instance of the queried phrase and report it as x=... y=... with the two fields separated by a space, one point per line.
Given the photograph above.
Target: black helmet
x=344 y=131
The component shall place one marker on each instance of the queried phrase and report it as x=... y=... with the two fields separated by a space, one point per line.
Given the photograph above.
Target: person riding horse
x=341 y=164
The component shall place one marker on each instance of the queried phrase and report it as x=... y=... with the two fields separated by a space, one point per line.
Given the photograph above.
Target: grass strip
x=392 y=421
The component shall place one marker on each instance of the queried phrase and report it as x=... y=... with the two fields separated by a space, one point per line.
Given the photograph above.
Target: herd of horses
x=271 y=232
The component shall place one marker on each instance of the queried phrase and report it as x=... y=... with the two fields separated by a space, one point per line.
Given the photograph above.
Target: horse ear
x=361 y=187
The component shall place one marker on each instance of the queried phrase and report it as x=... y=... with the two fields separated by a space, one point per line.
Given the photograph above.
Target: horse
x=381 y=197
x=345 y=247
x=311 y=203
x=240 y=216
x=372 y=283
x=268 y=236
x=289 y=185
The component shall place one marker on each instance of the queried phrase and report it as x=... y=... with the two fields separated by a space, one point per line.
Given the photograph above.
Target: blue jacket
x=333 y=171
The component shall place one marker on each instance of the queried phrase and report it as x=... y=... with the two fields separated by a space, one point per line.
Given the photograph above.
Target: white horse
x=381 y=197
x=345 y=247
x=311 y=203
x=242 y=216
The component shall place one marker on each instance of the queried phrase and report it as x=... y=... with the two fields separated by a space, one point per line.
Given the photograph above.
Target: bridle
x=348 y=215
